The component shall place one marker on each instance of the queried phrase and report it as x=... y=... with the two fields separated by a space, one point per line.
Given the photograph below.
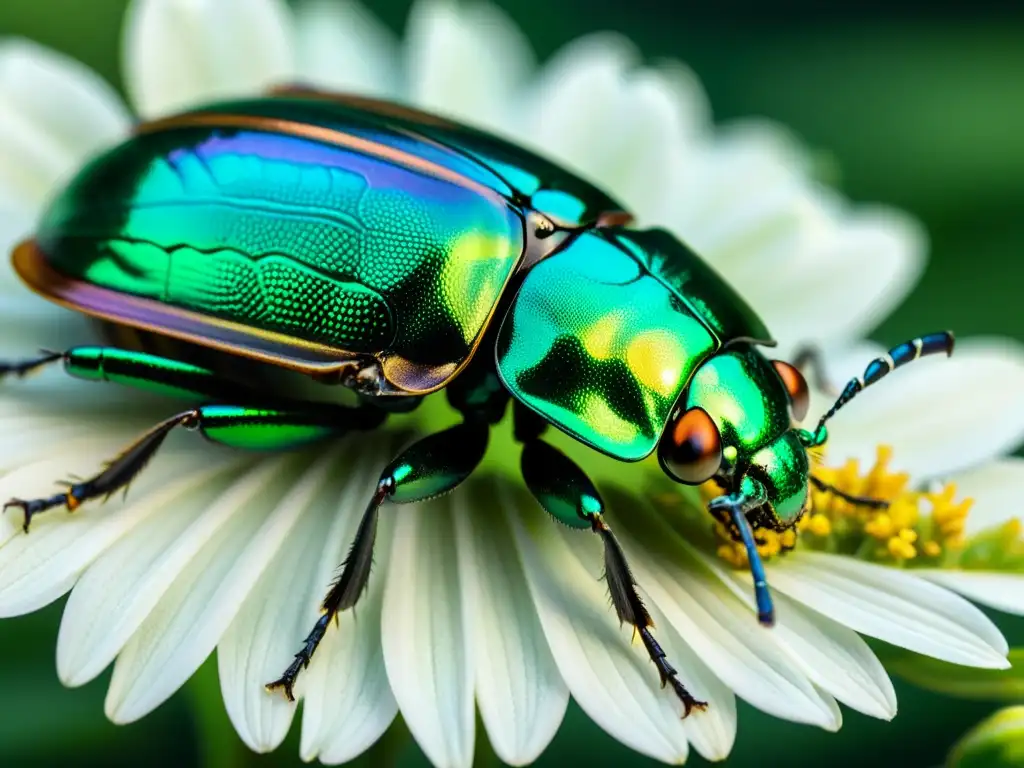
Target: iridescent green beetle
x=397 y=254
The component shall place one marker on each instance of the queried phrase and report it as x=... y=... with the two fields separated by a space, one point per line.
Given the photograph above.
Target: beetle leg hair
x=430 y=467
x=230 y=425
x=566 y=493
x=22 y=368
x=117 y=474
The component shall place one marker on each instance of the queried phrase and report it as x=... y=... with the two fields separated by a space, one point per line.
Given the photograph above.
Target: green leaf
x=996 y=742
x=955 y=680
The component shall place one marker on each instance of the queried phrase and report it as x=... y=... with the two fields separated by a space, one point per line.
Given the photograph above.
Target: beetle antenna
x=859 y=501
x=881 y=367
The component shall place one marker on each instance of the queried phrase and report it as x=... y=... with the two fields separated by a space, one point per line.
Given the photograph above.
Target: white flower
x=476 y=599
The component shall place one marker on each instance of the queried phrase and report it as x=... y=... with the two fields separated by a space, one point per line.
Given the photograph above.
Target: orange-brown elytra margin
x=150 y=315
x=323 y=135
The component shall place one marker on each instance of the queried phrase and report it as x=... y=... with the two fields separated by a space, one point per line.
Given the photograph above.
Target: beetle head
x=734 y=425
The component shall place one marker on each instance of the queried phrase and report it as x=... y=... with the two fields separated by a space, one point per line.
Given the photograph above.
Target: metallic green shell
x=603 y=337
x=726 y=312
x=383 y=256
x=600 y=347
x=500 y=165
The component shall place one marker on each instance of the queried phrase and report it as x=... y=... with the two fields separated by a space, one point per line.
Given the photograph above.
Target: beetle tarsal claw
x=283 y=685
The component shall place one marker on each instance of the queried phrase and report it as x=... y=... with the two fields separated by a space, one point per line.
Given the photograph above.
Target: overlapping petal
x=340 y=45
x=56 y=113
x=427 y=647
x=465 y=62
x=477 y=596
x=217 y=560
x=892 y=605
x=974 y=395
x=621 y=126
x=184 y=52
x=612 y=680
x=520 y=694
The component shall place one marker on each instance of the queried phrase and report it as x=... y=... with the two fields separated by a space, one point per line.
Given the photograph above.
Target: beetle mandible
x=398 y=253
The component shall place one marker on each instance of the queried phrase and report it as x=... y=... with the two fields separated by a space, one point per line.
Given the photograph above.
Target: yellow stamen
x=819 y=525
x=900 y=549
x=913 y=525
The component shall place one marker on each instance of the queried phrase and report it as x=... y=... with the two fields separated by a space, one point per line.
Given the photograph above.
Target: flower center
x=917 y=527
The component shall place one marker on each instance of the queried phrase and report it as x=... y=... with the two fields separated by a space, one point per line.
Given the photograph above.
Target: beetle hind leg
x=568 y=495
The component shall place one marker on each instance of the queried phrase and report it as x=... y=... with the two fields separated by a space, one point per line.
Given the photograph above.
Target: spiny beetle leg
x=22 y=368
x=117 y=474
x=569 y=496
x=430 y=467
x=248 y=427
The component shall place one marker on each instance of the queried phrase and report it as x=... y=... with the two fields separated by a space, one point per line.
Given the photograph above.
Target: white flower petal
x=427 y=651
x=56 y=112
x=996 y=490
x=16 y=220
x=620 y=126
x=61 y=439
x=712 y=732
x=1002 y=591
x=835 y=659
x=521 y=695
x=719 y=625
x=179 y=52
x=39 y=567
x=118 y=590
x=851 y=275
x=467 y=62
x=276 y=615
x=891 y=605
x=733 y=195
x=196 y=608
x=342 y=46
x=977 y=393
x=347 y=701
x=613 y=681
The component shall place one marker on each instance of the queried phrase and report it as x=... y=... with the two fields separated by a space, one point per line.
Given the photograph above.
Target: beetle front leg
x=248 y=427
x=731 y=510
x=569 y=496
x=430 y=467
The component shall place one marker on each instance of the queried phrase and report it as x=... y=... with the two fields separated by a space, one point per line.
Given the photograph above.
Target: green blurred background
x=910 y=105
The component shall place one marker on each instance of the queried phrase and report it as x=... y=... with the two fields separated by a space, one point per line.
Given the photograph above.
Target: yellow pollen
x=901 y=549
x=931 y=549
x=819 y=525
x=913 y=524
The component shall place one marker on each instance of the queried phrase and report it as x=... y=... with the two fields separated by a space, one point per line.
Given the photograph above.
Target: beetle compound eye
x=691 y=448
x=796 y=386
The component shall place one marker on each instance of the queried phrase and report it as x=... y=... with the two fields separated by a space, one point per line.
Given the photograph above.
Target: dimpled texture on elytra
x=291 y=235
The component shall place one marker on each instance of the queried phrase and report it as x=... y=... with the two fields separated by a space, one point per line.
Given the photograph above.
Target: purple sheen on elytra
x=285 y=235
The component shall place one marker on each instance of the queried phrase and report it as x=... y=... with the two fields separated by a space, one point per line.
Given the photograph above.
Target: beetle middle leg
x=430 y=467
x=568 y=495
